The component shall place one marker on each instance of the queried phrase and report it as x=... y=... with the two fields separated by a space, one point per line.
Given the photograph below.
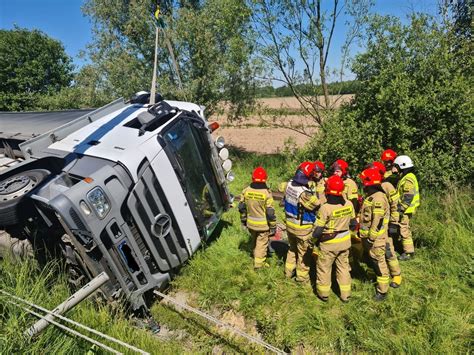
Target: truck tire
x=13 y=192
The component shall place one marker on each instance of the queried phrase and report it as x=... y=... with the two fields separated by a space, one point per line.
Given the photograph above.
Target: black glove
x=272 y=231
x=369 y=242
x=393 y=229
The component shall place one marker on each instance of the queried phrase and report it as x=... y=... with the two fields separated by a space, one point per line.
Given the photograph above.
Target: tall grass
x=431 y=312
x=48 y=288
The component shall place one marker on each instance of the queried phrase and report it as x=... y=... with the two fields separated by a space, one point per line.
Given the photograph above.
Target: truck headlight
x=224 y=154
x=220 y=142
x=230 y=176
x=227 y=165
x=99 y=202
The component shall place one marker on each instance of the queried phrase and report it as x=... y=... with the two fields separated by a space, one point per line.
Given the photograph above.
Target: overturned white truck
x=130 y=189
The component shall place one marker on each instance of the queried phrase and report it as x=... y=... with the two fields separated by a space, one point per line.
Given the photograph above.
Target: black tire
x=13 y=194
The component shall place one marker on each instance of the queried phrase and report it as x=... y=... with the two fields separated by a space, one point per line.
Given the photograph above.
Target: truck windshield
x=193 y=156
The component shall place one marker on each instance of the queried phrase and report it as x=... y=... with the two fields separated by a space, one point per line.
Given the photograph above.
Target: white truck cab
x=131 y=189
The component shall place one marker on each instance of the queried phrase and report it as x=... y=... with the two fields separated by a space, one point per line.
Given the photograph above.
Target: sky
x=64 y=21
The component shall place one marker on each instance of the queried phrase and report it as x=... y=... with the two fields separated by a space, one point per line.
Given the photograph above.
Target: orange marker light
x=213 y=126
x=89 y=180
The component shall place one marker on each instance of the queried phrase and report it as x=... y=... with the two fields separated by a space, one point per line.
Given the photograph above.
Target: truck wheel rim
x=16 y=186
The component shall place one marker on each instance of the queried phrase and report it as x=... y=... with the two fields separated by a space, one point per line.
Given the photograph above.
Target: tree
x=31 y=64
x=294 y=33
x=205 y=46
x=415 y=97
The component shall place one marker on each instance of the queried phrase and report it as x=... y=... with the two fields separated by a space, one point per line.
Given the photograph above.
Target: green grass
x=430 y=313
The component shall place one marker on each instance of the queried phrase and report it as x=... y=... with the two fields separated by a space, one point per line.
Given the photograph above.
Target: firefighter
x=408 y=191
x=387 y=157
x=350 y=193
x=258 y=215
x=300 y=213
x=374 y=216
x=332 y=236
x=319 y=181
x=393 y=198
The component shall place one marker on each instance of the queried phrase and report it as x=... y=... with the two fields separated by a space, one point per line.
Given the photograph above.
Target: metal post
x=72 y=301
x=155 y=64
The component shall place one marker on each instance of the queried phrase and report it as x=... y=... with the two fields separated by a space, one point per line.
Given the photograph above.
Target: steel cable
x=220 y=323
x=72 y=331
x=77 y=324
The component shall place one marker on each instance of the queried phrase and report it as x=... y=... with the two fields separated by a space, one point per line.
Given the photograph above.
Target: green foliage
x=86 y=92
x=32 y=65
x=415 y=96
x=336 y=88
x=210 y=40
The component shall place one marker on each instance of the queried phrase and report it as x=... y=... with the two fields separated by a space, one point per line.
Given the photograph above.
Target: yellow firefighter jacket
x=350 y=189
x=374 y=216
x=256 y=208
x=335 y=219
x=409 y=193
x=393 y=199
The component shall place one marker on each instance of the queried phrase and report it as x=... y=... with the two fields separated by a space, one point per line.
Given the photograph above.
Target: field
x=252 y=133
x=431 y=313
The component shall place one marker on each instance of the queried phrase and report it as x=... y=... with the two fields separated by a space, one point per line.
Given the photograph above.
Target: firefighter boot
x=379 y=297
x=396 y=281
x=406 y=256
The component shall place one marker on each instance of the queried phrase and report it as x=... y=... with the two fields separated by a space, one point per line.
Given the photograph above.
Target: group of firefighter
x=326 y=219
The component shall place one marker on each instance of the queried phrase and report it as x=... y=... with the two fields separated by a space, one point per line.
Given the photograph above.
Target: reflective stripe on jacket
x=257 y=203
x=300 y=203
x=393 y=199
x=408 y=184
x=374 y=216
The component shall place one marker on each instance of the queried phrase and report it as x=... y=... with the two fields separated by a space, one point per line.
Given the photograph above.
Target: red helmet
x=307 y=168
x=379 y=166
x=340 y=165
x=319 y=166
x=371 y=176
x=388 y=155
x=259 y=175
x=334 y=185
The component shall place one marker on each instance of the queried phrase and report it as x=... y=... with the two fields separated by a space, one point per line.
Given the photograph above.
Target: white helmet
x=403 y=161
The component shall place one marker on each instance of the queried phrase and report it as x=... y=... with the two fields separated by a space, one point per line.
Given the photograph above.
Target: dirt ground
x=292 y=102
x=255 y=134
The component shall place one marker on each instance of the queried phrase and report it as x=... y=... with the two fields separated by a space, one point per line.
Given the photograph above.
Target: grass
x=431 y=312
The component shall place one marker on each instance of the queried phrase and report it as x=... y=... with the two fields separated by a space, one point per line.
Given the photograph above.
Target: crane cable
x=72 y=331
x=77 y=324
x=220 y=323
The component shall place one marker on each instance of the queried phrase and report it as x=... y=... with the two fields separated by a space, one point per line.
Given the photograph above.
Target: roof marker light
x=213 y=126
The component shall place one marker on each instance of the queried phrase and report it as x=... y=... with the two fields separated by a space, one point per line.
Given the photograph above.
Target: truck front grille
x=152 y=215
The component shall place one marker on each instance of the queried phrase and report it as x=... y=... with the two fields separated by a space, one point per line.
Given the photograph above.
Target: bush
x=415 y=97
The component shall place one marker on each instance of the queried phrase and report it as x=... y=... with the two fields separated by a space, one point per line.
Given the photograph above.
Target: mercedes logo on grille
x=161 y=226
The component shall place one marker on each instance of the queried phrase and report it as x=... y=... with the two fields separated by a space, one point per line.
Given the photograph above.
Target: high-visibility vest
x=296 y=216
x=416 y=198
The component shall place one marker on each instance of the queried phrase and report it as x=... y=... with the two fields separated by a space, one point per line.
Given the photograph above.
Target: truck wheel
x=76 y=271
x=13 y=191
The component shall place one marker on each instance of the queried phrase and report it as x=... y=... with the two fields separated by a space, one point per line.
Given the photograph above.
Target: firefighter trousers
x=376 y=252
x=405 y=234
x=298 y=257
x=260 y=247
x=328 y=255
x=392 y=260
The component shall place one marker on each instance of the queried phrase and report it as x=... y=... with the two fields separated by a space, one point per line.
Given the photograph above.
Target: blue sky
x=64 y=21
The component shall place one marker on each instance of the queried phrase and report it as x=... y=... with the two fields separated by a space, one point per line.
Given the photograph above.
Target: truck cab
x=131 y=189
